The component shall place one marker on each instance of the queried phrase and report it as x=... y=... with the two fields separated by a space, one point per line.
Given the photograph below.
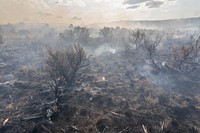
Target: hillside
x=170 y=23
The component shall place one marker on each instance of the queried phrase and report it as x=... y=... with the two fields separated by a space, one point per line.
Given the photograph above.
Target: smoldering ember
x=108 y=77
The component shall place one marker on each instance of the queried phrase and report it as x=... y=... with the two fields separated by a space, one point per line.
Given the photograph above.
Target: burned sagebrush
x=136 y=38
x=106 y=33
x=1 y=37
x=150 y=45
x=63 y=66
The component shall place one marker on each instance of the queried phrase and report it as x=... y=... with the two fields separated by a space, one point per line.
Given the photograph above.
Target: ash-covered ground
x=123 y=90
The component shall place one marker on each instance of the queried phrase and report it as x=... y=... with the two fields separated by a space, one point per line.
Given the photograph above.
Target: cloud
x=44 y=13
x=133 y=7
x=154 y=4
x=57 y=2
x=80 y=3
x=26 y=19
x=59 y=17
x=134 y=2
x=76 y=18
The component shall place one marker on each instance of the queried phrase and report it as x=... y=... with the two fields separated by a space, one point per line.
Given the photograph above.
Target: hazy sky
x=94 y=11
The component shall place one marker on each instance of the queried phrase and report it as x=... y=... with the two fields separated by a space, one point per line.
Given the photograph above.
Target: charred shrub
x=1 y=37
x=63 y=66
x=136 y=38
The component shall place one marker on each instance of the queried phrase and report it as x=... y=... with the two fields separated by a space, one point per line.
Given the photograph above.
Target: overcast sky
x=94 y=11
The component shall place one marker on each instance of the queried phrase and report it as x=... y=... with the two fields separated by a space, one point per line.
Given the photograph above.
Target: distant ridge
x=193 y=22
x=170 y=23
